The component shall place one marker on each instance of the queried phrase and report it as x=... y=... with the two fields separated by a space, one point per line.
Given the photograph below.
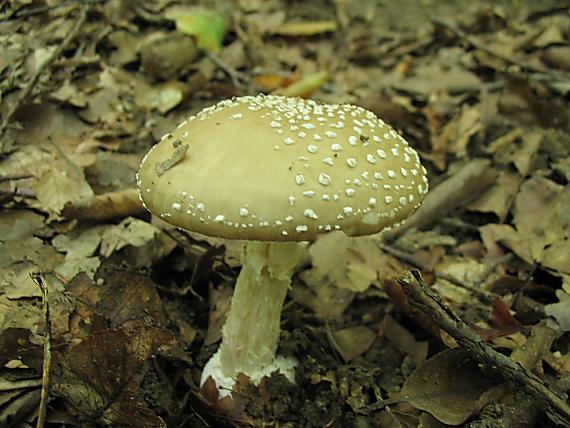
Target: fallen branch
x=37 y=277
x=429 y=302
x=470 y=181
x=485 y=296
x=107 y=206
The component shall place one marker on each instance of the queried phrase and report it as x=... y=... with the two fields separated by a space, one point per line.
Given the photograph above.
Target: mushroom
x=274 y=171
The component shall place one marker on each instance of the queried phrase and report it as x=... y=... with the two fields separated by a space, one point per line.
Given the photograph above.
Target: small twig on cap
x=25 y=94
x=177 y=156
x=38 y=278
x=429 y=302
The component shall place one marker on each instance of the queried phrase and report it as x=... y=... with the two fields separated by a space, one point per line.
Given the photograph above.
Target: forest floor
x=107 y=316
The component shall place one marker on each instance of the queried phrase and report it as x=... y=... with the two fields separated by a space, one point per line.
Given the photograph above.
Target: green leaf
x=208 y=27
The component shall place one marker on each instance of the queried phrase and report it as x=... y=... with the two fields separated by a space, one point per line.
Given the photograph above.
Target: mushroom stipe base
x=251 y=332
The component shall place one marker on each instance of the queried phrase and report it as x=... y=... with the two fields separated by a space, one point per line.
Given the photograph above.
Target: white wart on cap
x=275 y=168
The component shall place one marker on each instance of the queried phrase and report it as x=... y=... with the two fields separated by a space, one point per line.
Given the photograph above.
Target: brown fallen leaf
x=99 y=376
x=530 y=103
x=165 y=56
x=447 y=386
x=352 y=342
x=403 y=340
x=531 y=353
x=498 y=198
x=501 y=321
x=124 y=296
x=271 y=82
x=518 y=148
x=432 y=78
x=15 y=344
x=320 y=293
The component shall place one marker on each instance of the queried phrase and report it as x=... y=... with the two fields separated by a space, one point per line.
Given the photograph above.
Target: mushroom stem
x=251 y=332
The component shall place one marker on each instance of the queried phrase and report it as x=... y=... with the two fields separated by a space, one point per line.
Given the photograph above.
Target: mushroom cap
x=273 y=168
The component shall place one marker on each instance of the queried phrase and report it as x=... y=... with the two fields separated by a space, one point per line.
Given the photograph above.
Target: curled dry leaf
x=306 y=86
x=307 y=28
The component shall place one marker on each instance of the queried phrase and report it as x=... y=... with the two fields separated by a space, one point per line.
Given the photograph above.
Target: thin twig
x=479 y=46
x=485 y=296
x=26 y=12
x=37 y=277
x=429 y=302
x=240 y=80
x=14 y=177
x=25 y=94
x=23 y=193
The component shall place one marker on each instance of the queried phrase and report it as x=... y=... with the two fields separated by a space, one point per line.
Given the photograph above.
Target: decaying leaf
x=98 y=375
x=447 y=386
x=362 y=260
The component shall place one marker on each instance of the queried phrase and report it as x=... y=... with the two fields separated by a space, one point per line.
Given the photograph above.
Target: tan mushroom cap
x=274 y=168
